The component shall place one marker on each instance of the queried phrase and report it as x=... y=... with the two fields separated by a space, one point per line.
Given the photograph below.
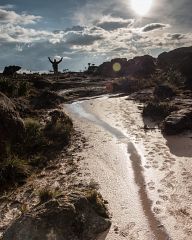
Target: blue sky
x=85 y=31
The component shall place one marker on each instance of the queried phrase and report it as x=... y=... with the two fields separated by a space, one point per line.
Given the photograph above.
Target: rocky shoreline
x=51 y=189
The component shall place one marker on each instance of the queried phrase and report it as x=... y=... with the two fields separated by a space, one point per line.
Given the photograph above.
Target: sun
x=141 y=7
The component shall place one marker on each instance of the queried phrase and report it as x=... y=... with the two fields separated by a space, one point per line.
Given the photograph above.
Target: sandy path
x=144 y=177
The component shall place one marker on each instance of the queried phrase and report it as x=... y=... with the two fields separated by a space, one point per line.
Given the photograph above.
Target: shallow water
x=122 y=180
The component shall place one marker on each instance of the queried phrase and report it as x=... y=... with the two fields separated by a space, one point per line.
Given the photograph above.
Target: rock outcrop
x=10 y=70
x=72 y=217
x=179 y=59
x=178 y=122
x=138 y=66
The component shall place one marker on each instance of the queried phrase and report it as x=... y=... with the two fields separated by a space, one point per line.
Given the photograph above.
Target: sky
x=89 y=31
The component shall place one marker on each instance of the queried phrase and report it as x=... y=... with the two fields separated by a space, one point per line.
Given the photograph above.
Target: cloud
x=154 y=26
x=110 y=23
x=81 y=38
x=18 y=34
x=14 y=18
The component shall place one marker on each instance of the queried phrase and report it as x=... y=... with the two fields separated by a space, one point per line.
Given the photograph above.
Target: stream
x=116 y=164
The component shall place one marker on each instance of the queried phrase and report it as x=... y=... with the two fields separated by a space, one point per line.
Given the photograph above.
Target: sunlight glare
x=141 y=7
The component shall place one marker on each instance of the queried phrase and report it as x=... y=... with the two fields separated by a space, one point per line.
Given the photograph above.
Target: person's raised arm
x=50 y=60
x=60 y=60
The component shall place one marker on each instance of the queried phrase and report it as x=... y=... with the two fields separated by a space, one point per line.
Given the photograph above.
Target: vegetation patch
x=59 y=128
x=13 y=170
x=158 y=110
x=97 y=202
x=46 y=194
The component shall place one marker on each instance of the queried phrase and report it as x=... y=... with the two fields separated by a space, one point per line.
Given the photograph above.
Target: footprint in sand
x=164 y=197
x=157 y=210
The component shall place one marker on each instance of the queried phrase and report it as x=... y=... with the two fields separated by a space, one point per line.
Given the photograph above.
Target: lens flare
x=116 y=67
x=141 y=7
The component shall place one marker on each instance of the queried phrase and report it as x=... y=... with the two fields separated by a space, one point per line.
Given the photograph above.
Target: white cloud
x=7 y=16
x=154 y=26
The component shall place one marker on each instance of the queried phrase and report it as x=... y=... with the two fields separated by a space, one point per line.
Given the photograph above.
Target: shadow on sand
x=180 y=145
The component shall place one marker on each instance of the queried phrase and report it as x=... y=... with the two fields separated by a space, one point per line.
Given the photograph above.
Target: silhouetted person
x=55 y=64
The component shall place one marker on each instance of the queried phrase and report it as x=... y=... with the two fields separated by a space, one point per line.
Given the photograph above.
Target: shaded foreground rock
x=178 y=122
x=11 y=125
x=71 y=218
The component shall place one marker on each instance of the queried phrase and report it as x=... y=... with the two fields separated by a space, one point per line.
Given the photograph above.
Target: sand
x=145 y=177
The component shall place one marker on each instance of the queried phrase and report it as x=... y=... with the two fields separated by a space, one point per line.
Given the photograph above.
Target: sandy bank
x=139 y=211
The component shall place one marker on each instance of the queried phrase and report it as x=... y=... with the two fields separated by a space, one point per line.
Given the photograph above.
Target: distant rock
x=178 y=122
x=11 y=70
x=139 y=66
x=71 y=218
x=164 y=92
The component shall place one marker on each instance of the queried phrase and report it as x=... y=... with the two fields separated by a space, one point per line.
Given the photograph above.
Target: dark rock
x=47 y=99
x=41 y=83
x=179 y=59
x=163 y=92
x=138 y=66
x=10 y=70
x=71 y=218
x=178 y=122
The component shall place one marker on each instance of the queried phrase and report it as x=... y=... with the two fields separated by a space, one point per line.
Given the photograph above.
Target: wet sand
x=143 y=176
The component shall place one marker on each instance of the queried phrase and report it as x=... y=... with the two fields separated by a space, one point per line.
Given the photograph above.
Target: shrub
x=170 y=77
x=46 y=194
x=157 y=110
x=7 y=87
x=13 y=170
x=97 y=202
x=60 y=127
x=34 y=138
x=23 y=88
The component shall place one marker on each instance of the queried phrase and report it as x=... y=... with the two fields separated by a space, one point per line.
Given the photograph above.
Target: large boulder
x=11 y=70
x=72 y=217
x=178 y=122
